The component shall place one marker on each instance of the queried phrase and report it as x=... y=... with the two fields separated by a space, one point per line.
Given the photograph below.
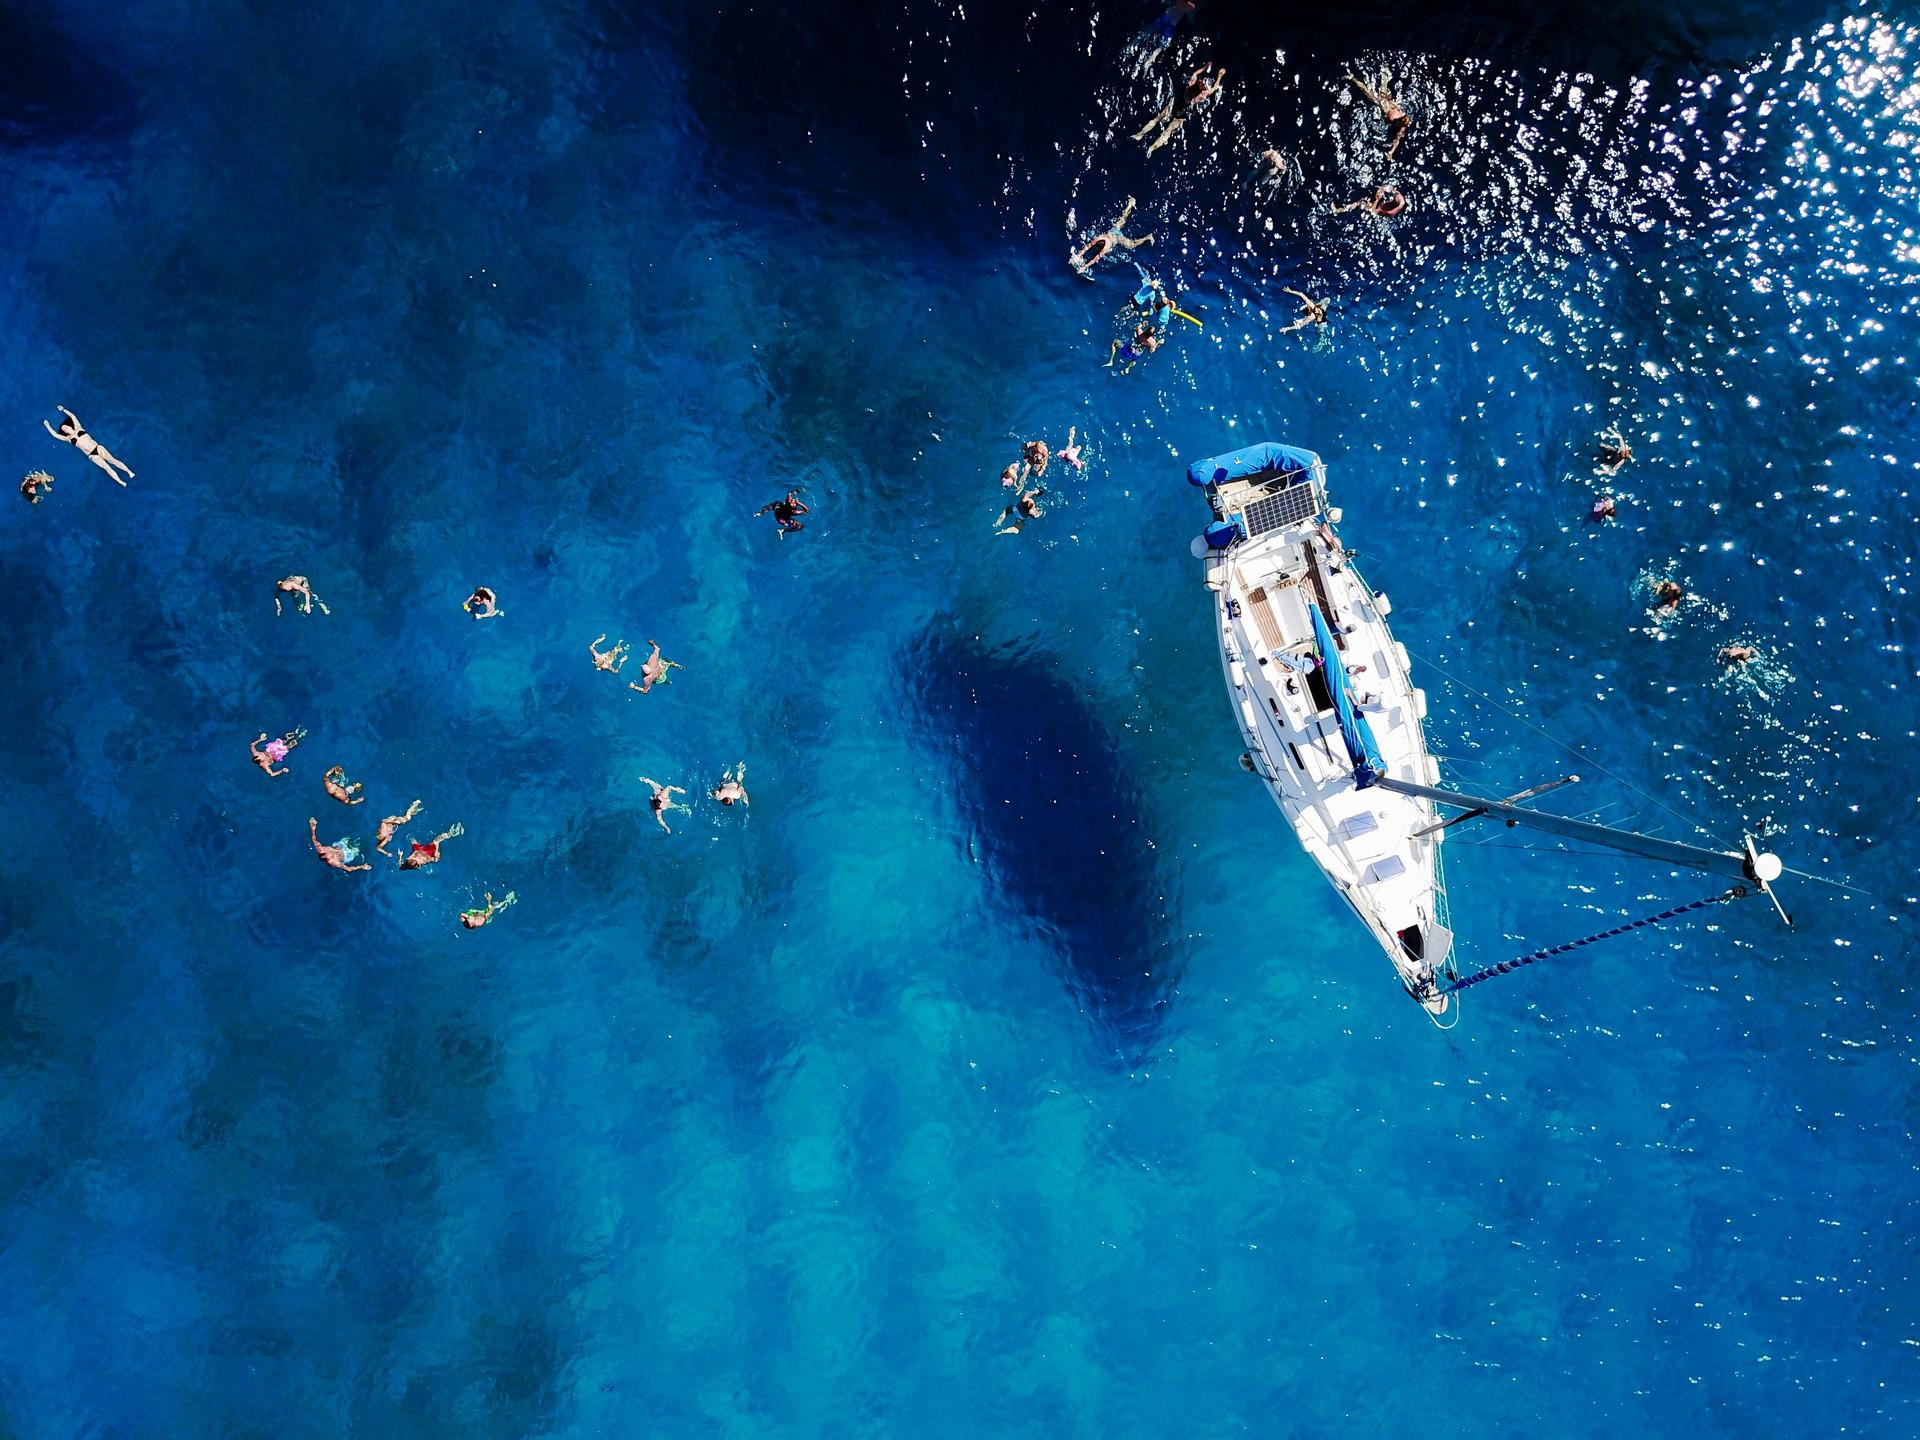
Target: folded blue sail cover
x=1256 y=462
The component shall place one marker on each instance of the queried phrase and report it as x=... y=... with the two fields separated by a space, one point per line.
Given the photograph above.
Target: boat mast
x=1752 y=866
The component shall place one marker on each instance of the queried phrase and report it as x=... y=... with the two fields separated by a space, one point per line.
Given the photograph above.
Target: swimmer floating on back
x=1201 y=87
x=1102 y=245
x=1390 y=109
x=1614 y=450
x=661 y=801
x=1312 y=312
x=653 y=670
x=75 y=434
x=608 y=660
x=297 y=585
x=268 y=753
x=335 y=855
x=474 y=919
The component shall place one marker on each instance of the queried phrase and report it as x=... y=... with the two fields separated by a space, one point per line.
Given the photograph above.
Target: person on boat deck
x=1201 y=87
x=1736 y=654
x=1144 y=342
x=297 y=585
x=75 y=434
x=1390 y=109
x=268 y=753
x=1036 y=454
x=419 y=856
x=732 y=789
x=1312 y=311
x=1603 y=509
x=1386 y=202
x=1614 y=450
x=481 y=604
x=608 y=660
x=390 y=825
x=1669 y=593
x=335 y=855
x=474 y=919
x=661 y=801
x=1014 y=518
x=341 y=789
x=36 y=481
x=653 y=670
x=787 y=512
x=1102 y=245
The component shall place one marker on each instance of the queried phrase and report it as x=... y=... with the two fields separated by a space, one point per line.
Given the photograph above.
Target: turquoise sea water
x=1004 y=1069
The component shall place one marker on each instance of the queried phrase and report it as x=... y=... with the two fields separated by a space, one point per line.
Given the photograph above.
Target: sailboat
x=1333 y=723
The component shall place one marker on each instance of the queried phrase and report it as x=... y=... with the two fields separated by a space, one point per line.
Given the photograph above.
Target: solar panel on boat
x=1288 y=507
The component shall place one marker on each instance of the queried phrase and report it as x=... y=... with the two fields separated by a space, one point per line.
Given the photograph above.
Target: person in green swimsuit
x=474 y=919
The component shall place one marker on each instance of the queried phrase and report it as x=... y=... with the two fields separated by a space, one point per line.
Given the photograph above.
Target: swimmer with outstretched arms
x=75 y=434
x=1391 y=110
x=1614 y=450
x=268 y=753
x=390 y=825
x=1312 y=312
x=1201 y=87
x=1014 y=518
x=335 y=855
x=653 y=670
x=608 y=660
x=661 y=801
x=1102 y=245
x=474 y=919
x=786 y=512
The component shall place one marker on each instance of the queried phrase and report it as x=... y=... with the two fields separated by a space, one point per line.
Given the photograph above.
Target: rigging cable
x=1463 y=981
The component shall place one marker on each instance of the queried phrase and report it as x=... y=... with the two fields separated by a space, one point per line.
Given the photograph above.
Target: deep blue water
x=1004 y=1069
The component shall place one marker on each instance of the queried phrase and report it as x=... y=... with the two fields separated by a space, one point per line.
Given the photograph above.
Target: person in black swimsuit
x=787 y=512
x=1201 y=87
x=75 y=434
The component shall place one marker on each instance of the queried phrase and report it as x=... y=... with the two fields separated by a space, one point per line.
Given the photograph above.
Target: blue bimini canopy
x=1361 y=747
x=1256 y=462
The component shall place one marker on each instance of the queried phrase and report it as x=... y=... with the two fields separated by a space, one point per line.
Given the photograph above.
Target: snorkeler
x=474 y=919
x=420 y=856
x=661 y=801
x=1386 y=202
x=1097 y=249
x=268 y=753
x=609 y=660
x=1070 y=452
x=1201 y=87
x=481 y=604
x=335 y=855
x=1669 y=593
x=1390 y=109
x=1144 y=342
x=391 y=824
x=1736 y=654
x=1614 y=450
x=1014 y=518
x=654 y=670
x=36 y=481
x=732 y=787
x=1312 y=312
x=340 y=788
x=297 y=585
x=787 y=512
x=75 y=434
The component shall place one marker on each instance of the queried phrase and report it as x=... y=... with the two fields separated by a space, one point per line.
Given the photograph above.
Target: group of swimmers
x=1032 y=464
